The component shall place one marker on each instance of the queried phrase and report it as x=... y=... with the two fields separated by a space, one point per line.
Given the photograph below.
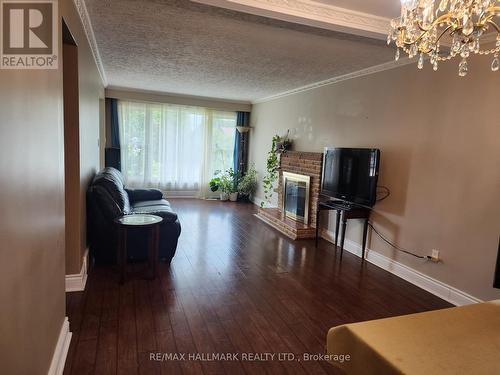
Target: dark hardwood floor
x=234 y=286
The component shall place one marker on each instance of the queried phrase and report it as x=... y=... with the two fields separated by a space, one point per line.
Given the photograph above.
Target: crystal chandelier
x=461 y=24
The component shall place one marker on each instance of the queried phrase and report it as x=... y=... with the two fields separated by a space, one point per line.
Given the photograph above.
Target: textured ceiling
x=182 y=47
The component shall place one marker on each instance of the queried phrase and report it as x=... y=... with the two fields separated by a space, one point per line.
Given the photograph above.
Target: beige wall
x=91 y=92
x=32 y=220
x=32 y=298
x=439 y=137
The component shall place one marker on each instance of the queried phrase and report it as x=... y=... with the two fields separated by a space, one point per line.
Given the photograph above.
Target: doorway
x=71 y=100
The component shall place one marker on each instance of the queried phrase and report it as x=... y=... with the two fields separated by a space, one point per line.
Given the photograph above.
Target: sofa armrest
x=167 y=216
x=137 y=195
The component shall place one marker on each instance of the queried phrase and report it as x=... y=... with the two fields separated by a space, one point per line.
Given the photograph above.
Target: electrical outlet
x=435 y=255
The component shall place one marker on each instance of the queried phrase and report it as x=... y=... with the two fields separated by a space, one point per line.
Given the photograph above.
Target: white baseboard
x=76 y=282
x=436 y=287
x=61 y=350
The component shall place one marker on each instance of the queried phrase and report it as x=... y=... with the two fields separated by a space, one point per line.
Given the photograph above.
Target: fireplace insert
x=296 y=196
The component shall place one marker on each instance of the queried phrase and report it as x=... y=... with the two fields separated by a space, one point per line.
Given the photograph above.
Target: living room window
x=173 y=147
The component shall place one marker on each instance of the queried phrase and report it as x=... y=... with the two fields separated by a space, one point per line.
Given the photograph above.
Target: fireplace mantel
x=303 y=163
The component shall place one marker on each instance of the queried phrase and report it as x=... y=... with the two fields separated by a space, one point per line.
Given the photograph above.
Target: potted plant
x=223 y=183
x=232 y=184
x=248 y=183
x=283 y=144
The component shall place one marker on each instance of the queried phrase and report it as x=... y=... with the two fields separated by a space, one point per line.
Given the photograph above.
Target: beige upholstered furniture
x=458 y=340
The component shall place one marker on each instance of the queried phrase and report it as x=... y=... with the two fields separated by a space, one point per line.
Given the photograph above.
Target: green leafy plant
x=278 y=146
x=272 y=171
x=226 y=185
x=233 y=178
x=224 y=181
x=215 y=183
x=248 y=183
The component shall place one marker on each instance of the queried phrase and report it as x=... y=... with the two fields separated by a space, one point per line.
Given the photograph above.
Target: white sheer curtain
x=174 y=148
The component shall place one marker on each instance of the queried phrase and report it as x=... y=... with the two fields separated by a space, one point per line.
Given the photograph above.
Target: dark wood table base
x=153 y=247
x=344 y=213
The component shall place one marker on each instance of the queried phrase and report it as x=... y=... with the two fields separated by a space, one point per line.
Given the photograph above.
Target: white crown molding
x=61 y=350
x=431 y=285
x=360 y=73
x=127 y=93
x=311 y=13
x=89 y=32
x=76 y=282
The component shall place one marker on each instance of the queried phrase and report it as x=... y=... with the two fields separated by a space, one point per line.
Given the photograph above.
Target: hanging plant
x=279 y=145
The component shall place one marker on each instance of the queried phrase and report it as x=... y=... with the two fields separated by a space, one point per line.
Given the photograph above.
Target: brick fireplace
x=307 y=164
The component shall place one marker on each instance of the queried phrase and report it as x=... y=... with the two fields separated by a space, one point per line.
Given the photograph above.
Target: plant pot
x=283 y=146
x=244 y=197
x=233 y=197
x=223 y=196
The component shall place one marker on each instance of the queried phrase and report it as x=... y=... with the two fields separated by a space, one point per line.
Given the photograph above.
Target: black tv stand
x=338 y=204
x=345 y=211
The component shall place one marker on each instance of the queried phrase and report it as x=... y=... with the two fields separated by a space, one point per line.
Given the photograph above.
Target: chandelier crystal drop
x=421 y=61
x=495 y=64
x=464 y=27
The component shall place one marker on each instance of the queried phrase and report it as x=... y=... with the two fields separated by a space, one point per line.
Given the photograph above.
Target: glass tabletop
x=138 y=219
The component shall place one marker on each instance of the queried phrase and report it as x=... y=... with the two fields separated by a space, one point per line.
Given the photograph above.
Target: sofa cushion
x=159 y=207
x=157 y=202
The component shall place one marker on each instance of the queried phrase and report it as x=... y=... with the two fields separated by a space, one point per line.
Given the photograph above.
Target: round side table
x=135 y=221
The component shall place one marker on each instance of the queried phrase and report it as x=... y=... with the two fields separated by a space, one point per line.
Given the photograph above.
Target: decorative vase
x=223 y=196
x=233 y=197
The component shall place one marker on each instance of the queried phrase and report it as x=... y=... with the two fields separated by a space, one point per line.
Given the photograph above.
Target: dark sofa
x=107 y=199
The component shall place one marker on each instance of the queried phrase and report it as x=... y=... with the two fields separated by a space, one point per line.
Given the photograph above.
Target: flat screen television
x=351 y=174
